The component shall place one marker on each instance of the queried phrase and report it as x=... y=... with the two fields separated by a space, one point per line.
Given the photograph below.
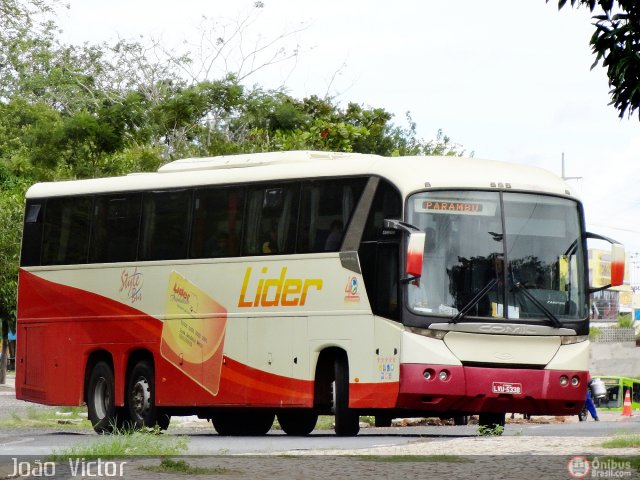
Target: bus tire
x=491 y=420
x=259 y=423
x=101 y=407
x=461 y=420
x=383 y=421
x=141 y=398
x=298 y=422
x=245 y=424
x=347 y=422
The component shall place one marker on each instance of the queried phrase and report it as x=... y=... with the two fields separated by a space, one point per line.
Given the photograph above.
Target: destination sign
x=455 y=207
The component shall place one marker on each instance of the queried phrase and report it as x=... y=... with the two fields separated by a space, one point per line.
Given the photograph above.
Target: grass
x=486 y=431
x=623 y=441
x=127 y=443
x=58 y=417
x=168 y=465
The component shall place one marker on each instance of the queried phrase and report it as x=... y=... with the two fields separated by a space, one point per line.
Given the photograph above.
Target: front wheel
x=492 y=421
x=347 y=421
x=141 y=398
x=461 y=420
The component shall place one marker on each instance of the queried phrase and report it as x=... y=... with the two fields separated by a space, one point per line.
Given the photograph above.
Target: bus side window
x=165 y=225
x=272 y=214
x=32 y=234
x=635 y=394
x=387 y=203
x=66 y=230
x=217 y=222
x=379 y=253
x=114 y=236
x=325 y=212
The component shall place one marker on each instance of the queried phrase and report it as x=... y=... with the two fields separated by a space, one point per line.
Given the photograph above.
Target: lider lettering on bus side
x=273 y=292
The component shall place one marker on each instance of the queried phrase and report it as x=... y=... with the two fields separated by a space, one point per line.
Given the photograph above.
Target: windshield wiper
x=474 y=301
x=552 y=318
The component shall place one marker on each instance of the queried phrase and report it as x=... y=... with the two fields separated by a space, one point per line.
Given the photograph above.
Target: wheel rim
x=101 y=397
x=140 y=397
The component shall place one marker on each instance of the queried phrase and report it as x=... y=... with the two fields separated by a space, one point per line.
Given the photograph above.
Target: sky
x=509 y=81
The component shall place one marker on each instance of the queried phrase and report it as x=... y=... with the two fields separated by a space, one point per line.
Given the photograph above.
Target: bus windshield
x=485 y=250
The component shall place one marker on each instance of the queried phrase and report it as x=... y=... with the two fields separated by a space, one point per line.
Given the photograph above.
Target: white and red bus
x=297 y=284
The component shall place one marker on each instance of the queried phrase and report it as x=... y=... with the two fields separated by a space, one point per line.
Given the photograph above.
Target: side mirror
x=617 y=264
x=606 y=264
x=415 y=247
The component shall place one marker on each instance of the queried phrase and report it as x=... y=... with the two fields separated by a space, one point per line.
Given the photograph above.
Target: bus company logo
x=185 y=299
x=506 y=329
x=131 y=285
x=351 y=290
x=264 y=290
x=578 y=467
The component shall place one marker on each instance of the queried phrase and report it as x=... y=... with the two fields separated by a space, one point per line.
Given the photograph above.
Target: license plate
x=505 y=387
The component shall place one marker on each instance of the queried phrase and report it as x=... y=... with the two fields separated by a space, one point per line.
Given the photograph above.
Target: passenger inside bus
x=270 y=244
x=334 y=239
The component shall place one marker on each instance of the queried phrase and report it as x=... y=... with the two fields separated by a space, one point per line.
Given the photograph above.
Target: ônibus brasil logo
x=578 y=466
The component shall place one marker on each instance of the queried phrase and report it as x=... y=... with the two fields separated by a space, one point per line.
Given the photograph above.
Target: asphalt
x=472 y=458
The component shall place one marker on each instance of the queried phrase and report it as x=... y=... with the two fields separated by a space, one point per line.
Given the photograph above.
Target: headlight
x=426 y=332
x=571 y=339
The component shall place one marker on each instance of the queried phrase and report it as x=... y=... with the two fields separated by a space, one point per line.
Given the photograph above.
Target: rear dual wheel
x=139 y=410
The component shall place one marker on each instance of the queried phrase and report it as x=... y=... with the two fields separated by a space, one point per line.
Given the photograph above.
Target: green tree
x=616 y=43
x=71 y=112
x=11 y=208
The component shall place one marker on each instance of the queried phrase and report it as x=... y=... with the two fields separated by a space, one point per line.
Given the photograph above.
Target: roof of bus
x=409 y=174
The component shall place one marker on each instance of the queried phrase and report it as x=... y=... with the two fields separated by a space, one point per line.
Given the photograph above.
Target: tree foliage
x=69 y=111
x=616 y=44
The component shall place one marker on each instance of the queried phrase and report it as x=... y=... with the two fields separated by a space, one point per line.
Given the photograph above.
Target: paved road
x=527 y=450
x=203 y=440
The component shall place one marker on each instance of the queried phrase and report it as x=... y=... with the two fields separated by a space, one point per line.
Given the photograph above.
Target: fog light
x=564 y=380
x=575 y=381
x=427 y=374
x=443 y=375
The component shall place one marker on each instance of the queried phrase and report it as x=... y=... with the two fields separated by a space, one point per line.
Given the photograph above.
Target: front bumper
x=478 y=389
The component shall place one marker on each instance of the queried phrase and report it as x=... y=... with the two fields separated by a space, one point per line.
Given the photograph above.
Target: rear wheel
x=298 y=422
x=141 y=398
x=347 y=421
x=247 y=424
x=102 y=412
